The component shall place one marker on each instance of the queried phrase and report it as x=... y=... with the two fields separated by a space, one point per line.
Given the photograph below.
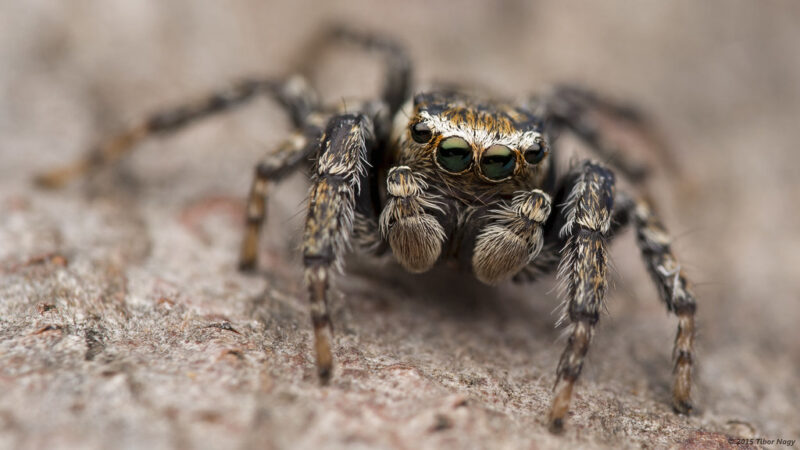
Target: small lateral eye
x=454 y=155
x=421 y=133
x=535 y=153
x=498 y=162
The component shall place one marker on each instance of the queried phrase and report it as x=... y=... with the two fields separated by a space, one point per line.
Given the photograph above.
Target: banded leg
x=512 y=239
x=294 y=94
x=397 y=87
x=550 y=256
x=580 y=110
x=275 y=166
x=674 y=290
x=329 y=222
x=628 y=114
x=397 y=72
x=406 y=222
x=583 y=274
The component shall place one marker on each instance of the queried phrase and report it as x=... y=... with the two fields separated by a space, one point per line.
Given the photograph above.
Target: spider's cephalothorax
x=487 y=147
x=446 y=176
x=479 y=167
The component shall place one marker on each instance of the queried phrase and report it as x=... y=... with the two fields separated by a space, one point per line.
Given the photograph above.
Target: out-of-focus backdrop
x=123 y=322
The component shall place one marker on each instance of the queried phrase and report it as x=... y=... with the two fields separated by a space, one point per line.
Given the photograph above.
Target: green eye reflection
x=498 y=162
x=454 y=155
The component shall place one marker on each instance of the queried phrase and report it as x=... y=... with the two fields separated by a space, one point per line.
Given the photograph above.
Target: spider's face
x=459 y=136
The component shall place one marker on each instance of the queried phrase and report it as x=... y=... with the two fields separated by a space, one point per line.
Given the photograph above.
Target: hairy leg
x=550 y=256
x=294 y=94
x=655 y=244
x=331 y=206
x=406 y=222
x=273 y=167
x=512 y=239
x=583 y=272
x=582 y=111
x=397 y=65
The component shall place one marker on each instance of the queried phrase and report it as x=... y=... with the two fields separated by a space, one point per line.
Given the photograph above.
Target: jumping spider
x=446 y=176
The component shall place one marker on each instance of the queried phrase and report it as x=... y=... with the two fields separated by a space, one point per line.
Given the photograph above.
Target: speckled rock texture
x=124 y=323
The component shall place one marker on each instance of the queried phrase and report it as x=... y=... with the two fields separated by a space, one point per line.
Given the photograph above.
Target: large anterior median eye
x=454 y=155
x=498 y=162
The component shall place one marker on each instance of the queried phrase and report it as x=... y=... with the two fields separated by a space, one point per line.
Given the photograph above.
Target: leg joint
x=578 y=313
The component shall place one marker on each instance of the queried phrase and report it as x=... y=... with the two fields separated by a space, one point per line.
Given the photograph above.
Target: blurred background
x=721 y=78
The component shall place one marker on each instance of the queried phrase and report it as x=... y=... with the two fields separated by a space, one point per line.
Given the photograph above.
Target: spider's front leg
x=512 y=239
x=583 y=271
x=331 y=206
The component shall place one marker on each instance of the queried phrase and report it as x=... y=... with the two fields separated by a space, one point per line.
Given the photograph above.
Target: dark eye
x=498 y=162
x=421 y=133
x=535 y=153
x=454 y=155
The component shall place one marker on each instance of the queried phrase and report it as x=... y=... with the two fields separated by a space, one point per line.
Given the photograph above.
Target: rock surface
x=124 y=324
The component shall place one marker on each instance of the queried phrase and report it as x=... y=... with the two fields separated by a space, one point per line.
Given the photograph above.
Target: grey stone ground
x=123 y=323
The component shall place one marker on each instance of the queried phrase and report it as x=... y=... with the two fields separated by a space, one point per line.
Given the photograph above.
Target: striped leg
x=396 y=88
x=294 y=94
x=329 y=223
x=273 y=167
x=583 y=274
x=581 y=111
x=548 y=258
x=674 y=290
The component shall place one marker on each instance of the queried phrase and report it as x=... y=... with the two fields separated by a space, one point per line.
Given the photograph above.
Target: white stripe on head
x=480 y=137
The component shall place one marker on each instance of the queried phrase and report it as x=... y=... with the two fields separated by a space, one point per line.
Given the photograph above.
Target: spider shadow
x=449 y=294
